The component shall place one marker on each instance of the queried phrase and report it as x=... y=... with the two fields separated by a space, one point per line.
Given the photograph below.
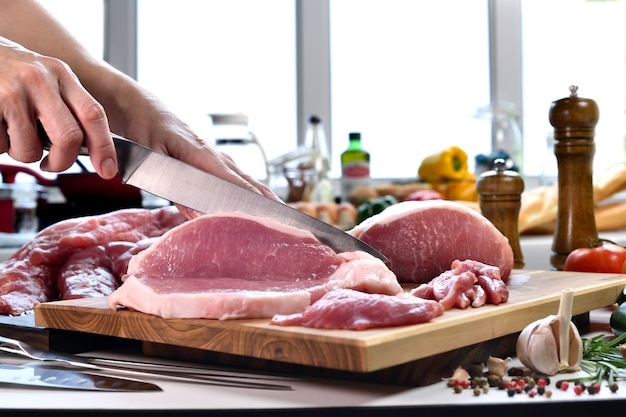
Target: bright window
x=83 y=18
x=580 y=42
x=409 y=76
x=235 y=56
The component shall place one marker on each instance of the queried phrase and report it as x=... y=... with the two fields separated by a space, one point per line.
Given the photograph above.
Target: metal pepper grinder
x=500 y=192
x=574 y=120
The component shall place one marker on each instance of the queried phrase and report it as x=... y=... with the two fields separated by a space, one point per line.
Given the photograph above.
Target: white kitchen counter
x=536 y=250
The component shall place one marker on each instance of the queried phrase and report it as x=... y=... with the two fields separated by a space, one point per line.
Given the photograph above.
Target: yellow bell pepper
x=463 y=190
x=449 y=164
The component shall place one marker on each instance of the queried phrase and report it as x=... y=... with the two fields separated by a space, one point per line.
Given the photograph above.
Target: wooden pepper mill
x=500 y=192
x=574 y=120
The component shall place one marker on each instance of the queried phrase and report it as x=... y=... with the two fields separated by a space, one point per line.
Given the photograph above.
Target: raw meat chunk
x=31 y=275
x=233 y=265
x=121 y=252
x=87 y=273
x=422 y=238
x=466 y=283
x=22 y=285
x=355 y=310
x=56 y=242
x=236 y=246
x=96 y=271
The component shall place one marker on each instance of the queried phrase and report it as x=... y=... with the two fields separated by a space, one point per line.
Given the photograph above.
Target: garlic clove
x=552 y=344
x=460 y=374
x=575 y=350
x=496 y=366
x=522 y=342
x=537 y=347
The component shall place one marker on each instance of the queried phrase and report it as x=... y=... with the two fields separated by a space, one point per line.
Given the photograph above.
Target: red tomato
x=607 y=257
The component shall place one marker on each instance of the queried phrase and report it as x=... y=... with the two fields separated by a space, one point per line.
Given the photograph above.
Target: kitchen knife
x=180 y=183
x=37 y=376
x=134 y=369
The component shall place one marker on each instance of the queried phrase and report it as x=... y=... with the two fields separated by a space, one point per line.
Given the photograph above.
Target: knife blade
x=43 y=377
x=183 y=184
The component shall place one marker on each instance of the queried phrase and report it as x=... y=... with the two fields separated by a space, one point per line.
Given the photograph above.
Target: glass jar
x=232 y=136
x=506 y=135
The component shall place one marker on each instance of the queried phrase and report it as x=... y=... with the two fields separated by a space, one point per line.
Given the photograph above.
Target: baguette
x=611 y=216
x=609 y=182
x=539 y=206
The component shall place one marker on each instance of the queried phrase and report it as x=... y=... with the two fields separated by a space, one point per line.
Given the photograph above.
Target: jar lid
x=573 y=116
x=499 y=181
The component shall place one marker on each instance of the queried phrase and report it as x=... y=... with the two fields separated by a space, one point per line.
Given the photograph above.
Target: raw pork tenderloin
x=79 y=257
x=234 y=265
x=423 y=238
x=467 y=283
x=354 y=310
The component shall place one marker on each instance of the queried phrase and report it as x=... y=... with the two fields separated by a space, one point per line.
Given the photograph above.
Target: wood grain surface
x=533 y=295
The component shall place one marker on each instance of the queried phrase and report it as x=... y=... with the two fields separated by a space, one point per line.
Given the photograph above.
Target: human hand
x=157 y=128
x=35 y=87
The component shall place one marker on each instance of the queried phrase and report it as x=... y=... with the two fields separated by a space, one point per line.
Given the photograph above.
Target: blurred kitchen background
x=408 y=75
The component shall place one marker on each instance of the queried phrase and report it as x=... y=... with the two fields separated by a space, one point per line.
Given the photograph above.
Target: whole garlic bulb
x=552 y=344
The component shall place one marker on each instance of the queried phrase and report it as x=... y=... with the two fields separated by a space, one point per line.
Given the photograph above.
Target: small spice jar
x=500 y=192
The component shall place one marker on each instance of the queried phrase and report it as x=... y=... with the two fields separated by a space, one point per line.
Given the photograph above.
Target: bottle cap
x=229 y=119
x=355 y=135
x=573 y=116
x=499 y=181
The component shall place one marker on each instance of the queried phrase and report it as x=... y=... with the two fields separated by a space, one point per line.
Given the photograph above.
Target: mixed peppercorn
x=518 y=381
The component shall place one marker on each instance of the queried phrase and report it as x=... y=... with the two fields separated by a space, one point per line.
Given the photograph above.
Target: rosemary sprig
x=602 y=359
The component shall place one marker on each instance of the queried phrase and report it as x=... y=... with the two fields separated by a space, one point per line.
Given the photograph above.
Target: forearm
x=62 y=104
x=28 y=23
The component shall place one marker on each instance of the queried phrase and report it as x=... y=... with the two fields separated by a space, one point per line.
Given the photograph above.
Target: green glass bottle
x=355 y=166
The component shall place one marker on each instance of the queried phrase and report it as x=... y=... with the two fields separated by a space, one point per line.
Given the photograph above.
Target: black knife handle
x=46 y=143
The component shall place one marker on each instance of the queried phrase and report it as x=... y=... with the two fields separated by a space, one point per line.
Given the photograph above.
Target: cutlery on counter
x=43 y=377
x=135 y=368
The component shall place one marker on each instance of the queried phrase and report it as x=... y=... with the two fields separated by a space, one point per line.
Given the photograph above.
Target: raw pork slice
x=354 y=310
x=422 y=238
x=233 y=265
x=37 y=271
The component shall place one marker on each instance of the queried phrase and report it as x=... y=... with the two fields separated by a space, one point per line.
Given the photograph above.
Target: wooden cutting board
x=533 y=295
